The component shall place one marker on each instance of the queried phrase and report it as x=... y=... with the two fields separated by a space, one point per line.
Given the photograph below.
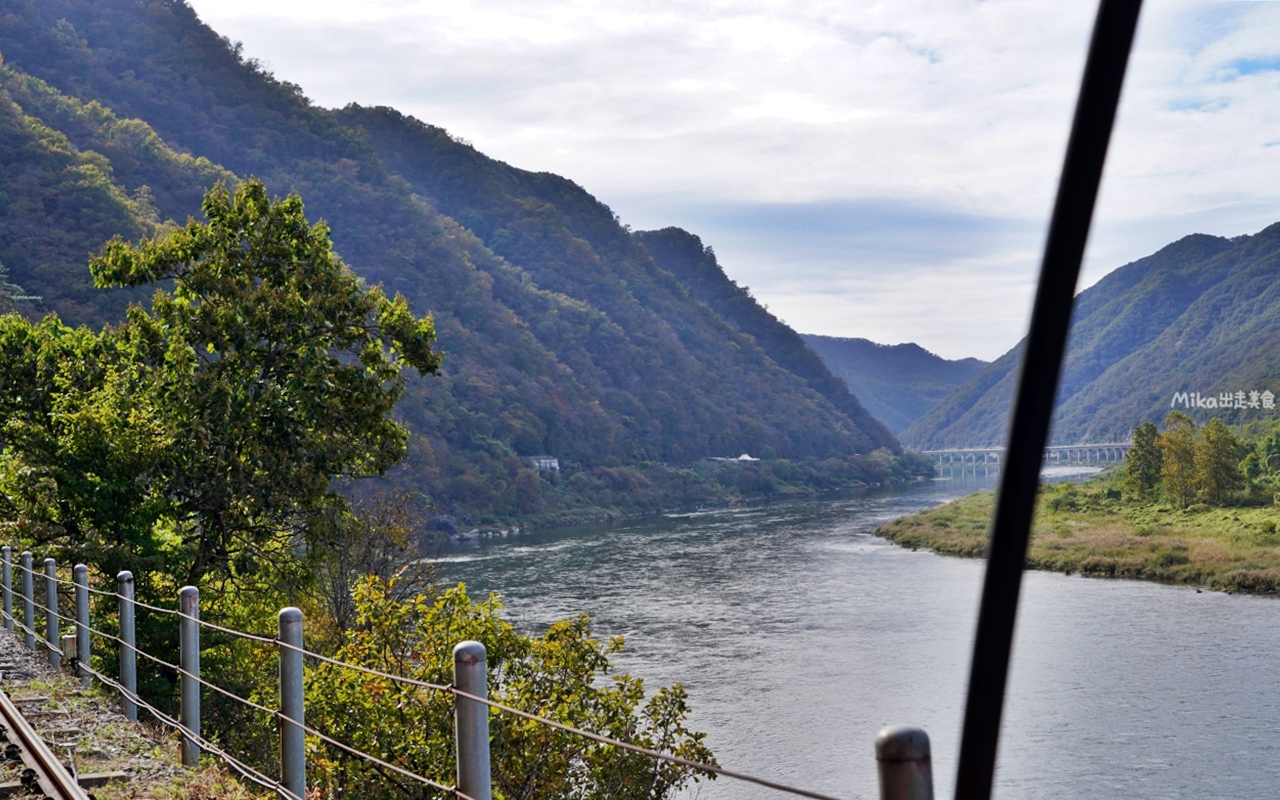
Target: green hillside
x=898 y=383
x=683 y=255
x=561 y=334
x=1201 y=315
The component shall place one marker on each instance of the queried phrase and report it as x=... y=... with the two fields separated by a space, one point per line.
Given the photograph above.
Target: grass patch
x=1090 y=530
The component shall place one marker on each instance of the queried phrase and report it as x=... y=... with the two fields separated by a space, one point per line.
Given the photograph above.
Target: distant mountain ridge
x=898 y=383
x=1201 y=314
x=561 y=333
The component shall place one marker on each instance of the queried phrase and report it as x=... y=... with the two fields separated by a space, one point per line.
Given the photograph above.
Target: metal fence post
x=80 y=577
x=128 y=639
x=189 y=660
x=6 y=585
x=902 y=757
x=293 y=762
x=471 y=720
x=28 y=602
x=51 y=620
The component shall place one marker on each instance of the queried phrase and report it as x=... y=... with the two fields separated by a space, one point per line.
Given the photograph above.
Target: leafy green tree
x=1178 y=458
x=1217 y=463
x=1144 y=461
x=273 y=368
x=560 y=675
x=80 y=451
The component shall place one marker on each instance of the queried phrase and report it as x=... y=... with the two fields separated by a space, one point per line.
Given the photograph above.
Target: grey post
x=28 y=601
x=293 y=761
x=6 y=585
x=189 y=660
x=80 y=577
x=902 y=756
x=471 y=720
x=128 y=640
x=51 y=620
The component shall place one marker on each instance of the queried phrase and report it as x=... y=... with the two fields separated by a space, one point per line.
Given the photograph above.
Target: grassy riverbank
x=1088 y=529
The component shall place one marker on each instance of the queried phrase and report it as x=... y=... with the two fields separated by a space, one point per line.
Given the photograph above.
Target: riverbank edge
x=572 y=518
x=1154 y=543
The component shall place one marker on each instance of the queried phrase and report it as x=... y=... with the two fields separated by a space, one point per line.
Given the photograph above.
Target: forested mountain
x=898 y=383
x=683 y=255
x=1201 y=315
x=561 y=334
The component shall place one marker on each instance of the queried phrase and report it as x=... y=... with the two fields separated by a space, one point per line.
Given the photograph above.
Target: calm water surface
x=799 y=635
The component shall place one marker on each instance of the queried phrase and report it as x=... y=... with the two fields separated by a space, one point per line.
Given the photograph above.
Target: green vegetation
x=1201 y=315
x=695 y=266
x=201 y=442
x=563 y=674
x=190 y=436
x=11 y=293
x=1191 y=505
x=898 y=383
x=563 y=336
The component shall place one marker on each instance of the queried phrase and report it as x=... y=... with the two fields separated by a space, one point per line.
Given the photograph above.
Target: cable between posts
x=684 y=762
x=35 y=573
x=275 y=713
x=305 y=728
x=244 y=769
x=449 y=689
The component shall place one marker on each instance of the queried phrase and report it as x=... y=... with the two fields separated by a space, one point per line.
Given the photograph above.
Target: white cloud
x=954 y=105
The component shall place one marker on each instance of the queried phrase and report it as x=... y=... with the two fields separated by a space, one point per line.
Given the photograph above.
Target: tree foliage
x=1178 y=458
x=274 y=368
x=1145 y=460
x=564 y=675
x=1210 y=464
x=1217 y=463
x=209 y=428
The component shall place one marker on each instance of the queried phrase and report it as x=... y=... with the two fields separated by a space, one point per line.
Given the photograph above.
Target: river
x=799 y=634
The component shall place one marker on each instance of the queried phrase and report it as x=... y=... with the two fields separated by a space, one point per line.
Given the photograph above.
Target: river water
x=799 y=634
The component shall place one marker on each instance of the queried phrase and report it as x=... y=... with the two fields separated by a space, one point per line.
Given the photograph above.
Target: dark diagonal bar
x=1042 y=362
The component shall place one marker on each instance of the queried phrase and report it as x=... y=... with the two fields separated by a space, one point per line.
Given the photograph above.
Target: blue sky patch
x=1252 y=66
x=1199 y=104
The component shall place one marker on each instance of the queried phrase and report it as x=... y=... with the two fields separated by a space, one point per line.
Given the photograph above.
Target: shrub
x=561 y=675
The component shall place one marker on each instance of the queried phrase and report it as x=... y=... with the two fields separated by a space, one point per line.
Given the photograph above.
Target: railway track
x=40 y=773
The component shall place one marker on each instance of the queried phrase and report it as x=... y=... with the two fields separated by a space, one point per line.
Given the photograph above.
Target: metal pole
x=6 y=585
x=51 y=634
x=293 y=761
x=1037 y=384
x=28 y=601
x=80 y=577
x=189 y=659
x=128 y=639
x=902 y=757
x=471 y=721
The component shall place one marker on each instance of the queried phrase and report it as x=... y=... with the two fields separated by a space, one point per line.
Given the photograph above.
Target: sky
x=873 y=169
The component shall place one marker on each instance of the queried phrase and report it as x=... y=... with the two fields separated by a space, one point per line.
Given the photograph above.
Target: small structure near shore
x=544 y=463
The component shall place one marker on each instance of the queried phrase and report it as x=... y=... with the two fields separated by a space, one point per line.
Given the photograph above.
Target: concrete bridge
x=1109 y=453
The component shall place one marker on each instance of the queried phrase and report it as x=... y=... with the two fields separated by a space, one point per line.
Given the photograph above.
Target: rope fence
x=469 y=688
x=274 y=713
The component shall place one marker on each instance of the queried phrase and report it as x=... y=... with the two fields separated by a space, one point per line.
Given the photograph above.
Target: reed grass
x=1090 y=529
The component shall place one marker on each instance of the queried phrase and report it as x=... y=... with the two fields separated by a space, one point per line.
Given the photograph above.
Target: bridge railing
x=1102 y=453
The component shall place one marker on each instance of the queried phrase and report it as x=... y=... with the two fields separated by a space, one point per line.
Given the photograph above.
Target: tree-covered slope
x=561 y=334
x=897 y=383
x=1201 y=315
x=683 y=255
x=57 y=204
